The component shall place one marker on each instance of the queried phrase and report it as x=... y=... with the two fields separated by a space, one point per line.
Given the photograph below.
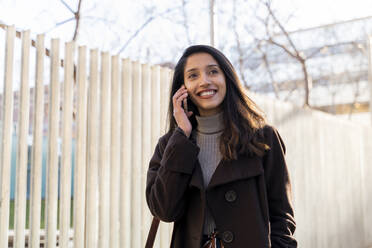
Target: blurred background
x=312 y=53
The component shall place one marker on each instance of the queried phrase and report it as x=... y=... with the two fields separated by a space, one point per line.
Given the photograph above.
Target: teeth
x=207 y=93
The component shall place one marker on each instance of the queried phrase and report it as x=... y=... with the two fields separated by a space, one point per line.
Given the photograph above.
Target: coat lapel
x=197 y=177
x=242 y=168
x=228 y=171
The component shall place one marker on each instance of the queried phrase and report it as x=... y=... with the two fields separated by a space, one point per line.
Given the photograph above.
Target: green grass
x=42 y=219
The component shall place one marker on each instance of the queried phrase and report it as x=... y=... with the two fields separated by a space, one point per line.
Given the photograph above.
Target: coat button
x=227 y=236
x=230 y=196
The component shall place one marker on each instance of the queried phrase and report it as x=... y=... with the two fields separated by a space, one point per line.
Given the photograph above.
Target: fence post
x=104 y=153
x=91 y=215
x=81 y=146
x=23 y=124
x=136 y=156
x=146 y=147
x=155 y=117
x=6 y=144
x=65 y=171
x=115 y=154
x=37 y=148
x=370 y=75
x=164 y=97
x=126 y=154
x=52 y=165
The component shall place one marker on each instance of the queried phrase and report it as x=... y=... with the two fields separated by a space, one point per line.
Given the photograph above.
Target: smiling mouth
x=207 y=93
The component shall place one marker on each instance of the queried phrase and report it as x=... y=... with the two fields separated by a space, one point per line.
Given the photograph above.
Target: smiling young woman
x=205 y=83
x=219 y=173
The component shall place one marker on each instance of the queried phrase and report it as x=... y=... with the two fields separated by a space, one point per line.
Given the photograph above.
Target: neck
x=210 y=124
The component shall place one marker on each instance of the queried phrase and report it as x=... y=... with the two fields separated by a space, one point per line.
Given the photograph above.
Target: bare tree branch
x=148 y=21
x=296 y=54
x=268 y=69
x=276 y=20
x=238 y=45
x=59 y=24
x=67 y=6
x=185 y=21
x=318 y=50
x=77 y=17
x=271 y=41
x=136 y=33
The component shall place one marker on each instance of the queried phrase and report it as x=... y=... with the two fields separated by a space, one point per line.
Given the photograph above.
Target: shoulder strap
x=152 y=233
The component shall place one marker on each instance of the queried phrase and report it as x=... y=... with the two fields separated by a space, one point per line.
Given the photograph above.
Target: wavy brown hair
x=243 y=120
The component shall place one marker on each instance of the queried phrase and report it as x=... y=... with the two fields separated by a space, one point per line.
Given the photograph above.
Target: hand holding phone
x=180 y=110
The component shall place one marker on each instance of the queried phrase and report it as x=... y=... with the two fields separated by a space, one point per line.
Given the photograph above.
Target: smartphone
x=184 y=105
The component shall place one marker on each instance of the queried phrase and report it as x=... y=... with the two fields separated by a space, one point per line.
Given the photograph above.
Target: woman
x=219 y=173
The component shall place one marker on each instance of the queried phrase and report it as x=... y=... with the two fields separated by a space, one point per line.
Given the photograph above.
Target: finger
x=179 y=93
x=181 y=90
x=189 y=113
x=181 y=98
x=178 y=102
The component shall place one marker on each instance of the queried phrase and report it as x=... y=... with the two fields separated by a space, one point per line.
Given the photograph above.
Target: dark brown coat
x=249 y=198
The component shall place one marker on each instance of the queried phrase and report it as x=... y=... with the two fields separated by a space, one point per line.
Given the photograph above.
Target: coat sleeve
x=278 y=184
x=168 y=176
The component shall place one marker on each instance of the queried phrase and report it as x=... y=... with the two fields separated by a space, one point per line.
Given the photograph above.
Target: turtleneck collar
x=210 y=124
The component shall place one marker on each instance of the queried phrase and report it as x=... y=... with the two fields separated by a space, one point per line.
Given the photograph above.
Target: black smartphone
x=185 y=105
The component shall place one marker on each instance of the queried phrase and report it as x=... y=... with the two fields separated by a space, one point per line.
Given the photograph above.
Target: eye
x=213 y=71
x=192 y=76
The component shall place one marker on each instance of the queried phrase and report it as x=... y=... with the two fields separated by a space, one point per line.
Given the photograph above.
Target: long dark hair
x=242 y=118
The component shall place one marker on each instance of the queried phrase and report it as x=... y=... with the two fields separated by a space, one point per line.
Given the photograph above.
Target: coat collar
x=229 y=171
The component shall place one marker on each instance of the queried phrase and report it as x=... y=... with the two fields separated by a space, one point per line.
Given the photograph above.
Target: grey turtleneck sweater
x=207 y=137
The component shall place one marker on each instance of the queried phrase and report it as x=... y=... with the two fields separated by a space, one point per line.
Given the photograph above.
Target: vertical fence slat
x=126 y=154
x=6 y=137
x=370 y=74
x=36 y=162
x=155 y=106
x=137 y=157
x=23 y=125
x=155 y=118
x=164 y=91
x=65 y=171
x=163 y=99
x=52 y=165
x=146 y=147
x=168 y=83
x=104 y=154
x=92 y=165
x=80 y=159
x=115 y=154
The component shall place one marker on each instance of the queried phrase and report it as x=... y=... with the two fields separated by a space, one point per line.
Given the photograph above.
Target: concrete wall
x=330 y=163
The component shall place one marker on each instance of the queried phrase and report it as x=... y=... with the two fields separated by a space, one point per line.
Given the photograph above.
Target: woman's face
x=205 y=83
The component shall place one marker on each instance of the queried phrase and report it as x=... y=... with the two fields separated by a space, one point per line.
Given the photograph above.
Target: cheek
x=187 y=84
x=223 y=88
x=190 y=88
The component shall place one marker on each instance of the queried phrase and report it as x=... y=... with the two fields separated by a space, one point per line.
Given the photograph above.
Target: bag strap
x=152 y=233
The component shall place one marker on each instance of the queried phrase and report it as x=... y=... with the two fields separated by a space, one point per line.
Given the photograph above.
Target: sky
x=320 y=12
x=23 y=13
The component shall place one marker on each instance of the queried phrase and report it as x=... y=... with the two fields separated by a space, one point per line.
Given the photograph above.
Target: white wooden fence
x=115 y=109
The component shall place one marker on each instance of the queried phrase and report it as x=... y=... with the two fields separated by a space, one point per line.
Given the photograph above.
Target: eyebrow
x=208 y=66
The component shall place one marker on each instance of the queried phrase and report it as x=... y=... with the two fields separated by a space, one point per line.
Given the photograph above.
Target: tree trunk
x=306 y=81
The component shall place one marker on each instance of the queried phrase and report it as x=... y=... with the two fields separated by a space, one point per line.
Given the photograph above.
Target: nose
x=204 y=80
